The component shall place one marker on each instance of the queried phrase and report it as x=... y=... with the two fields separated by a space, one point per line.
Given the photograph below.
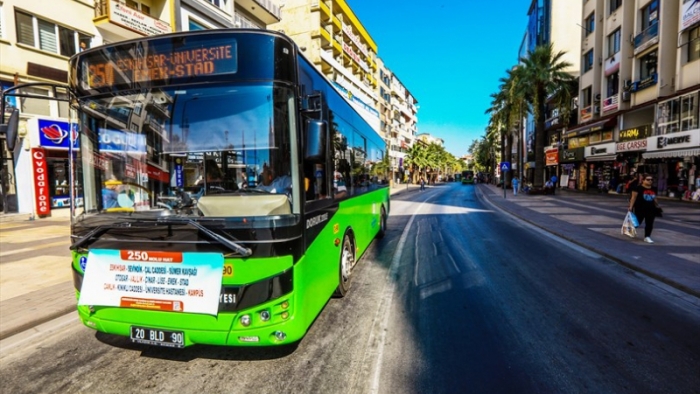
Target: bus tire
x=382 y=223
x=346 y=263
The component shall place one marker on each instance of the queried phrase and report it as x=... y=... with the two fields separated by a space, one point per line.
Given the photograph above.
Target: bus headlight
x=265 y=315
x=245 y=320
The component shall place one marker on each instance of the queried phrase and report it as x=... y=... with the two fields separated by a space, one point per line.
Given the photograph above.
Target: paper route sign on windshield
x=154 y=280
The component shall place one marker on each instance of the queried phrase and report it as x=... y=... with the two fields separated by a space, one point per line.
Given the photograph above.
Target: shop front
x=551 y=161
x=673 y=159
x=570 y=161
x=602 y=171
x=631 y=144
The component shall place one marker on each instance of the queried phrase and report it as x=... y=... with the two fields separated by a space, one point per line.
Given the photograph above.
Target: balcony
x=265 y=10
x=647 y=38
x=243 y=22
x=118 y=22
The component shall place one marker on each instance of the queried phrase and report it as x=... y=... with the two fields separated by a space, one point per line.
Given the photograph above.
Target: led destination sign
x=158 y=60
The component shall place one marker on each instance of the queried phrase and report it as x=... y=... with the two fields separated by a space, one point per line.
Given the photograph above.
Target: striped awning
x=689 y=152
x=601 y=158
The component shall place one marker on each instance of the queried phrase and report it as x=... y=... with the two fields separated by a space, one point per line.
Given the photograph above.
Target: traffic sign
x=505 y=166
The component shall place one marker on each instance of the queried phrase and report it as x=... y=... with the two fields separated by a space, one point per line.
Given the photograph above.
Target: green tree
x=544 y=75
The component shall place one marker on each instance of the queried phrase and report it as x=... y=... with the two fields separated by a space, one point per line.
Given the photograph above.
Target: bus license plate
x=152 y=336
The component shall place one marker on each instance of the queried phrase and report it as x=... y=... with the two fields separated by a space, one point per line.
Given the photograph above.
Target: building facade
x=549 y=22
x=333 y=38
x=35 y=47
x=639 y=96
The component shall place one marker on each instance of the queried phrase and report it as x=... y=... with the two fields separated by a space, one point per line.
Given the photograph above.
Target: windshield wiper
x=245 y=252
x=95 y=233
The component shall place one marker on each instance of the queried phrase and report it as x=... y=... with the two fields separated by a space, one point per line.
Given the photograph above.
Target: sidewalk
x=36 y=283
x=593 y=221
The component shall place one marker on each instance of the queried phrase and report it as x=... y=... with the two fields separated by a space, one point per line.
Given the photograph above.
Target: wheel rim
x=347 y=260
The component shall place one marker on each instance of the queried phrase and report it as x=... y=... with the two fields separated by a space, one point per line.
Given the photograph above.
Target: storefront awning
x=672 y=153
x=601 y=158
x=591 y=127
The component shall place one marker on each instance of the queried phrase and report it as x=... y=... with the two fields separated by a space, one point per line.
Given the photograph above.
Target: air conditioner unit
x=596 y=109
x=626 y=96
x=597 y=97
x=627 y=84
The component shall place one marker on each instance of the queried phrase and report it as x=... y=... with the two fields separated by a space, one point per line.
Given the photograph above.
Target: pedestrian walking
x=554 y=184
x=422 y=184
x=645 y=205
x=515 y=184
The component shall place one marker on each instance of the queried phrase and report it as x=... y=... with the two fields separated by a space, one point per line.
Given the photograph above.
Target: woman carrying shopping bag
x=644 y=204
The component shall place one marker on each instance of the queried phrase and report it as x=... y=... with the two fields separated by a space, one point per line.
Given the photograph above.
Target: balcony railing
x=273 y=8
x=646 y=36
x=243 y=22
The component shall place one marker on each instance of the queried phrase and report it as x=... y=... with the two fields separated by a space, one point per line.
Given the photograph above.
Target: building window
x=613 y=82
x=588 y=61
x=587 y=96
x=35 y=106
x=689 y=111
x=650 y=14
x=679 y=114
x=193 y=25
x=590 y=23
x=614 y=5
x=48 y=36
x=614 y=42
x=694 y=44
x=647 y=65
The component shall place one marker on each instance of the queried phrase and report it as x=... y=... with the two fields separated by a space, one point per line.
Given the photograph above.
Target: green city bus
x=468 y=177
x=222 y=189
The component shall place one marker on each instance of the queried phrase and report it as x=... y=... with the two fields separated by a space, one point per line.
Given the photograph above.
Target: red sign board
x=42 y=199
x=551 y=157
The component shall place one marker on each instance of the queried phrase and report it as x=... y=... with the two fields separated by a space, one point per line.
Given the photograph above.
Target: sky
x=450 y=54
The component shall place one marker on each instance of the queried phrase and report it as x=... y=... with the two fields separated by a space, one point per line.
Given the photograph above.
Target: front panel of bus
x=186 y=179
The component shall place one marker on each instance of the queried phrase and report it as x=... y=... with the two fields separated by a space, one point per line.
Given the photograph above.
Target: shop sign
x=551 y=157
x=55 y=134
x=586 y=114
x=629 y=146
x=136 y=21
x=690 y=14
x=612 y=65
x=347 y=29
x=610 y=103
x=569 y=155
x=600 y=150
x=348 y=49
x=687 y=139
x=42 y=200
x=121 y=142
x=635 y=133
x=645 y=83
x=157 y=174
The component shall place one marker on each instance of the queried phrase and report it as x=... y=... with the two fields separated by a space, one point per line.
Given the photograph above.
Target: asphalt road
x=458 y=297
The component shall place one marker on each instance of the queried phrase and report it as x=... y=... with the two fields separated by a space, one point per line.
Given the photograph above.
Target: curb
x=624 y=263
x=56 y=313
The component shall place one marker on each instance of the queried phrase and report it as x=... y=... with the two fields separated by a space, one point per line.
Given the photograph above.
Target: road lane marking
x=387 y=299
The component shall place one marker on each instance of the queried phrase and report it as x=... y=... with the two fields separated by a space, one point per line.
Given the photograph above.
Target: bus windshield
x=196 y=151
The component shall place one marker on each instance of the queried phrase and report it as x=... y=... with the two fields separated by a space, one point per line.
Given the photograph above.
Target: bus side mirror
x=316 y=136
x=10 y=129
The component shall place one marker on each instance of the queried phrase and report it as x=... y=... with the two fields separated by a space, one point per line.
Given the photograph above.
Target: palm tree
x=543 y=74
x=505 y=111
x=416 y=160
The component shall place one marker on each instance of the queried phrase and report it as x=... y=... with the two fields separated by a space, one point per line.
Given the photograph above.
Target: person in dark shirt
x=644 y=204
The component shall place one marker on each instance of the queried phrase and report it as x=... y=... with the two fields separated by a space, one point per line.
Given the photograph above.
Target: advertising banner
x=42 y=200
x=54 y=134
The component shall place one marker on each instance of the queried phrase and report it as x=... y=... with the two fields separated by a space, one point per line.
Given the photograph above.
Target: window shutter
x=47 y=36
x=25 y=31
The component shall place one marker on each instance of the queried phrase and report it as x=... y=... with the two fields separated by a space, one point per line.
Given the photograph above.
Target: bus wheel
x=347 y=261
x=382 y=224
